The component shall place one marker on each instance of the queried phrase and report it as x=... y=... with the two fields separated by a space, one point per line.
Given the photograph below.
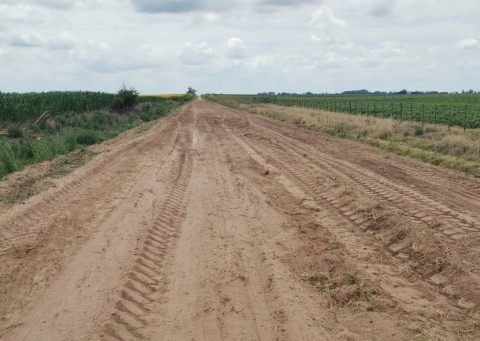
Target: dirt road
x=220 y=225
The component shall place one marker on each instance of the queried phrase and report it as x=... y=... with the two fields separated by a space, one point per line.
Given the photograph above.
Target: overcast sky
x=239 y=46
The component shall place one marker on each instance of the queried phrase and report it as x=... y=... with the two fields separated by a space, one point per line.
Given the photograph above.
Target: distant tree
x=191 y=91
x=403 y=92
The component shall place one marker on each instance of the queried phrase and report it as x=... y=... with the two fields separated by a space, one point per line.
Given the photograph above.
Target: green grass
x=69 y=131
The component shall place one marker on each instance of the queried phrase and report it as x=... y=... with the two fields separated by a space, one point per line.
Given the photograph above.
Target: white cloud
x=196 y=54
x=62 y=41
x=103 y=58
x=236 y=48
x=20 y=14
x=467 y=43
x=329 y=28
x=262 y=62
x=324 y=18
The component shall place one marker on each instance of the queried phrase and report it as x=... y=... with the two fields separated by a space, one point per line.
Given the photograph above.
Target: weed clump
x=8 y=162
x=15 y=133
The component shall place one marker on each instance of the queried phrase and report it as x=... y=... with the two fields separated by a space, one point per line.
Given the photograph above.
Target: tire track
x=25 y=226
x=363 y=245
x=343 y=224
x=147 y=282
x=454 y=225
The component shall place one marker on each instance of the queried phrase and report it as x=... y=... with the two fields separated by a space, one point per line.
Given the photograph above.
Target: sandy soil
x=215 y=224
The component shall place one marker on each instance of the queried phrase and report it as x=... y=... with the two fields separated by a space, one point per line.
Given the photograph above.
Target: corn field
x=15 y=107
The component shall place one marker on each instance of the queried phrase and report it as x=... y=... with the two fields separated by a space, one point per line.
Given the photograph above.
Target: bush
x=15 y=133
x=419 y=131
x=125 y=99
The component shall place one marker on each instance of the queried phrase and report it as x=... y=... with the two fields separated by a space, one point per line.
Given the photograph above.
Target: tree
x=191 y=91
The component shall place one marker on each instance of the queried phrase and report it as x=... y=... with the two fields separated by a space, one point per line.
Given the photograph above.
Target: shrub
x=125 y=99
x=419 y=131
x=15 y=133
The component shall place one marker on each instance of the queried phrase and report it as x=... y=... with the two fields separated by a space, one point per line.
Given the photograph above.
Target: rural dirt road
x=220 y=225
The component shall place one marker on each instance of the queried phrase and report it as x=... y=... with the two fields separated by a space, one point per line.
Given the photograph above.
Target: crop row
x=19 y=107
x=455 y=113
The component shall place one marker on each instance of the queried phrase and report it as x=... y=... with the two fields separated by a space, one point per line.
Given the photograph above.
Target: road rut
x=216 y=224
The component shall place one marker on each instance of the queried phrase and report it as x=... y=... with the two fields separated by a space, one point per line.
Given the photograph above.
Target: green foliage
x=42 y=150
x=449 y=109
x=88 y=137
x=191 y=91
x=419 y=131
x=82 y=138
x=15 y=133
x=8 y=161
x=125 y=99
x=69 y=130
x=16 y=107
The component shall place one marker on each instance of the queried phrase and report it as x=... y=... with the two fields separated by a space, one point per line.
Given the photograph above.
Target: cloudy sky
x=239 y=46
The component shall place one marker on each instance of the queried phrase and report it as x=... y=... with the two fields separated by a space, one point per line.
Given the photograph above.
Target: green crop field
x=74 y=120
x=450 y=109
x=17 y=107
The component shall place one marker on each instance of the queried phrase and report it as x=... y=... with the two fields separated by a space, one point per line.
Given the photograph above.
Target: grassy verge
x=69 y=131
x=434 y=144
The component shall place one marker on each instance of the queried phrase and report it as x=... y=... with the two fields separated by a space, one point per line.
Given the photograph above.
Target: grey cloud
x=54 y=4
x=182 y=6
x=64 y=4
x=288 y=2
x=33 y=39
x=382 y=8
x=58 y=4
x=178 y=6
